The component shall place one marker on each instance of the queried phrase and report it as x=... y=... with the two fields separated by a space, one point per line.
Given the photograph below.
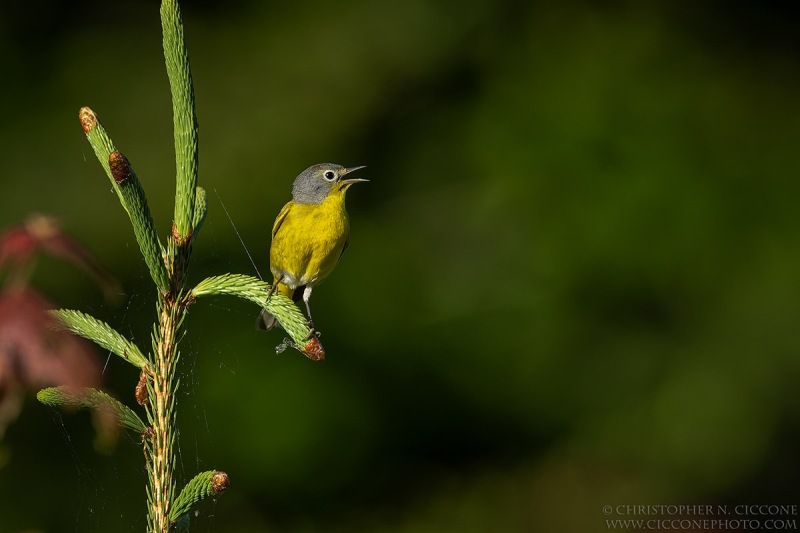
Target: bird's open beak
x=351 y=180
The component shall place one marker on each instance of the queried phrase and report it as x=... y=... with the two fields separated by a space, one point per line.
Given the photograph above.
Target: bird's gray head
x=316 y=182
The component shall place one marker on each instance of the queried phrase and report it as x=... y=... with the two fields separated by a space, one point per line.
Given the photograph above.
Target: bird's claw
x=311 y=331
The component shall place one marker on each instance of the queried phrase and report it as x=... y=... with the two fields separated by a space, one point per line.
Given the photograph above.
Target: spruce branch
x=278 y=305
x=184 y=116
x=88 y=398
x=100 y=333
x=135 y=202
x=157 y=389
x=158 y=383
x=129 y=191
x=201 y=486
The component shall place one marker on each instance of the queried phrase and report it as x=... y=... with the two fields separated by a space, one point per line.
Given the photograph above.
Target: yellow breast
x=308 y=239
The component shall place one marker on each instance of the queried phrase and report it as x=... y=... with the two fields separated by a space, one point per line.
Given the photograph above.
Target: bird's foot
x=312 y=332
x=271 y=291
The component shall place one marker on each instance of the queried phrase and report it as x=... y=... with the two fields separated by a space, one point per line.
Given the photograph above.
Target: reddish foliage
x=41 y=233
x=33 y=353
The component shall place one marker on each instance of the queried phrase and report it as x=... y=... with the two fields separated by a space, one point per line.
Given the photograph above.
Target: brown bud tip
x=219 y=482
x=88 y=119
x=141 y=389
x=313 y=349
x=120 y=167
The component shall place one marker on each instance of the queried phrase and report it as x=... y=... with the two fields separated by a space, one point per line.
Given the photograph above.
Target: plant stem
x=171 y=305
x=161 y=412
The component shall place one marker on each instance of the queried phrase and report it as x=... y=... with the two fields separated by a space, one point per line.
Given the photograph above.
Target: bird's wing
x=280 y=218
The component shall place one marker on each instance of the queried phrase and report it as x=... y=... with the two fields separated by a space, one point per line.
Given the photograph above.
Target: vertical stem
x=171 y=307
x=161 y=411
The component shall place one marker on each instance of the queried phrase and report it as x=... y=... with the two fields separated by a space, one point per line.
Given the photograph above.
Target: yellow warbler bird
x=310 y=234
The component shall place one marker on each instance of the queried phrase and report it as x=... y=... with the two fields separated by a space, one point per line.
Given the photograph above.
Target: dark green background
x=573 y=279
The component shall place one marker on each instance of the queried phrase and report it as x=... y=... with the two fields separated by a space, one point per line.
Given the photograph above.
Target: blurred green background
x=573 y=279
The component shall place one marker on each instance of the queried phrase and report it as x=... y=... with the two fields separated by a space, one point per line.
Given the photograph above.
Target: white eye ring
x=330 y=175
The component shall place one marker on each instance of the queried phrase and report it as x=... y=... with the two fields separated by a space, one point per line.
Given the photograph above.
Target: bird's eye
x=329 y=175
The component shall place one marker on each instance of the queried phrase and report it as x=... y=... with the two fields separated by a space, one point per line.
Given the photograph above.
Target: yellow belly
x=308 y=241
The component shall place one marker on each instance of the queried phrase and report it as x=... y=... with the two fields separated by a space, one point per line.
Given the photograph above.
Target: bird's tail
x=265 y=320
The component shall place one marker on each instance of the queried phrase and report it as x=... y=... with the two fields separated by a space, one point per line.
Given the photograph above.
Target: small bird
x=310 y=234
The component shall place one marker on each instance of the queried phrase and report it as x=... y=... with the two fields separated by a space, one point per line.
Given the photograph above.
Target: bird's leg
x=306 y=298
x=273 y=287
